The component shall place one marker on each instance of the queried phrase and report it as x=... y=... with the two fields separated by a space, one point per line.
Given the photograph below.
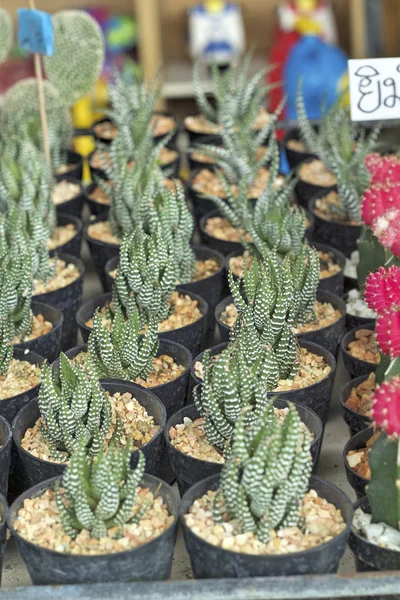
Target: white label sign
x=374 y=89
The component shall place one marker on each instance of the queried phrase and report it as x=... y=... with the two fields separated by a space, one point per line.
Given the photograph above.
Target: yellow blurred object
x=306 y=5
x=84 y=145
x=100 y=95
x=307 y=26
x=214 y=6
x=82 y=113
x=345 y=90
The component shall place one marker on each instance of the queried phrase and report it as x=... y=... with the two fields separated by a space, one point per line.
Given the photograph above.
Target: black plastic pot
x=357 y=442
x=306 y=191
x=172 y=168
x=328 y=337
x=354 y=420
x=75 y=159
x=35 y=470
x=191 y=336
x=334 y=283
x=96 y=208
x=47 y=345
x=355 y=366
x=5 y=458
x=350 y=283
x=189 y=470
x=222 y=246
x=294 y=157
x=171 y=394
x=156 y=139
x=353 y=321
x=72 y=247
x=100 y=252
x=194 y=380
x=149 y=562
x=9 y=407
x=317 y=397
x=224 y=330
x=368 y=556
x=74 y=206
x=98 y=137
x=201 y=206
x=209 y=561
x=202 y=138
x=3 y=530
x=342 y=236
x=95 y=172
x=67 y=300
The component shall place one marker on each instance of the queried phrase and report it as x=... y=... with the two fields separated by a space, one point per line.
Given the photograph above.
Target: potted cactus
x=262 y=507
x=109 y=522
x=73 y=406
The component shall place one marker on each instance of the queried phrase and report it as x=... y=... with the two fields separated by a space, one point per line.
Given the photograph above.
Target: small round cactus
x=387 y=230
x=388 y=332
x=6 y=34
x=384 y=169
x=378 y=199
x=382 y=290
x=78 y=54
x=386 y=407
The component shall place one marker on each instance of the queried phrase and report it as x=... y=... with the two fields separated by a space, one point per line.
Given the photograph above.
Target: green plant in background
x=15 y=290
x=266 y=475
x=6 y=348
x=78 y=56
x=123 y=353
x=99 y=494
x=145 y=276
x=20 y=117
x=75 y=410
x=6 y=34
x=343 y=147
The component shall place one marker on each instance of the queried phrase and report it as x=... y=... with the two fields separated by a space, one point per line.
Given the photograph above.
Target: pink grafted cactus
x=386 y=407
x=388 y=332
x=387 y=229
x=377 y=200
x=382 y=289
x=384 y=169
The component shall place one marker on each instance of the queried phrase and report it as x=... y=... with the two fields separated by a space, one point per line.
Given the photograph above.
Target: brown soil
x=99 y=196
x=64 y=191
x=39 y=327
x=316 y=173
x=297 y=146
x=39 y=522
x=21 y=377
x=328 y=266
x=331 y=209
x=66 y=273
x=106 y=130
x=325 y=315
x=101 y=231
x=65 y=169
x=220 y=228
x=236 y=263
x=199 y=124
x=61 y=235
x=358 y=459
x=207 y=182
x=360 y=399
x=365 y=347
x=163 y=124
x=204 y=269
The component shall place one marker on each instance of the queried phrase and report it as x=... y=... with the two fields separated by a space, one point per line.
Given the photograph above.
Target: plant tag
x=35 y=31
x=374 y=89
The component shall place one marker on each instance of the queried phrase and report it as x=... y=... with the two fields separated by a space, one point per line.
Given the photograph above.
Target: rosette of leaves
x=75 y=410
x=343 y=147
x=266 y=475
x=145 y=278
x=99 y=493
x=125 y=352
x=78 y=56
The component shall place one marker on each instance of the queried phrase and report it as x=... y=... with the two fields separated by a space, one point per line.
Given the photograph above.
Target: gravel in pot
x=296 y=152
x=36 y=469
x=105 y=131
x=67 y=300
x=73 y=245
x=313 y=179
x=332 y=269
x=148 y=562
x=356 y=445
x=201 y=206
x=189 y=469
x=49 y=344
x=357 y=393
x=100 y=252
x=365 y=347
x=224 y=246
x=96 y=200
x=355 y=303
x=190 y=336
x=210 y=561
x=69 y=196
x=72 y=168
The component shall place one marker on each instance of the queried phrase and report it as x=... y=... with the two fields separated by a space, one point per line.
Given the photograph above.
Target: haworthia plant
x=123 y=353
x=15 y=291
x=78 y=56
x=75 y=410
x=6 y=348
x=267 y=473
x=99 y=494
x=6 y=34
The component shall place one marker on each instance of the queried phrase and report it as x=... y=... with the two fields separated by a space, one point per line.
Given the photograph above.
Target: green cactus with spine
x=343 y=147
x=145 y=278
x=266 y=475
x=78 y=56
x=124 y=353
x=98 y=494
x=6 y=348
x=6 y=34
x=15 y=290
x=20 y=115
x=74 y=409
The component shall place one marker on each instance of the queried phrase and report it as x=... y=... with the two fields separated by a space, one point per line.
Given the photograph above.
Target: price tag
x=374 y=89
x=35 y=31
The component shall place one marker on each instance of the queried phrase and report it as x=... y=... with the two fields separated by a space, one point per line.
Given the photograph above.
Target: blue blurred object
x=322 y=67
x=284 y=165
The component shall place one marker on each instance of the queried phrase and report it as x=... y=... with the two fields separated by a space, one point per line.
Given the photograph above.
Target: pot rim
x=97 y=219
x=69 y=259
x=273 y=557
x=59 y=323
x=41 y=487
x=364 y=480
x=310 y=207
x=348 y=387
x=350 y=337
x=7 y=441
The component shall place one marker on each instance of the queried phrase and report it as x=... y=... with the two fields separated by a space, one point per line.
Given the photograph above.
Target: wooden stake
x=42 y=101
